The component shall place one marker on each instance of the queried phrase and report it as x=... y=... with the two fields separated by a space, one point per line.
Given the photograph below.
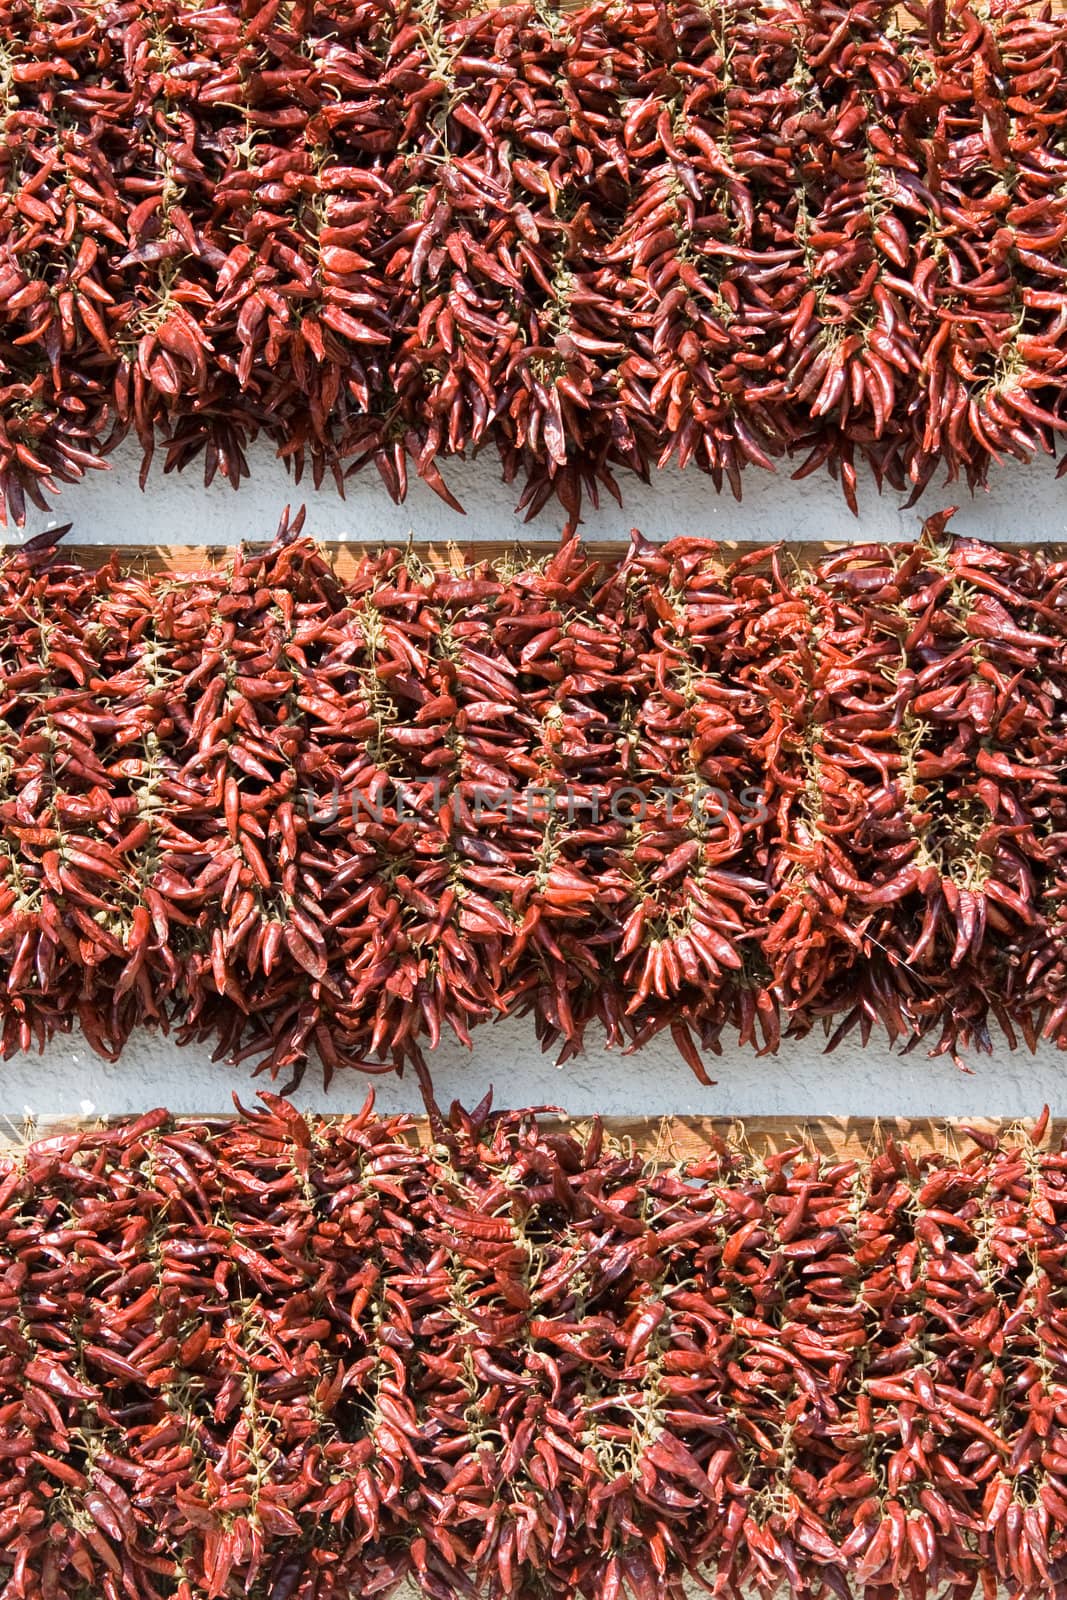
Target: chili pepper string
x=294 y=816
x=395 y=233
x=306 y=1360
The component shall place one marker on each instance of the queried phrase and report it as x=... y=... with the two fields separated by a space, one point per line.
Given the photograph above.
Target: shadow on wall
x=1022 y=504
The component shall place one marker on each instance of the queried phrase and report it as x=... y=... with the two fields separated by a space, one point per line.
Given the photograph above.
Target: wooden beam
x=671 y=1139
x=344 y=555
x=842 y=1138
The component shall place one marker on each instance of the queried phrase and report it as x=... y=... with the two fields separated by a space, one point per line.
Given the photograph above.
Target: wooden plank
x=344 y=555
x=669 y=1139
x=842 y=1138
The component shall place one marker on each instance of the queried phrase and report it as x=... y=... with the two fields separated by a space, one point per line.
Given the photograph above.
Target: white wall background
x=106 y=507
x=1022 y=504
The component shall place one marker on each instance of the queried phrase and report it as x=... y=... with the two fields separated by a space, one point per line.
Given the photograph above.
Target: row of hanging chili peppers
x=306 y=1360
x=400 y=230
x=291 y=814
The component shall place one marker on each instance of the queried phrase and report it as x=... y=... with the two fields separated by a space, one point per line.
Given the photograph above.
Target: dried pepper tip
x=303 y=818
x=593 y=239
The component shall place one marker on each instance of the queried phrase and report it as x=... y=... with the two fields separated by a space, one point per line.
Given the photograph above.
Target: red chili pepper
x=616 y=284
x=362 y=815
x=299 y=1357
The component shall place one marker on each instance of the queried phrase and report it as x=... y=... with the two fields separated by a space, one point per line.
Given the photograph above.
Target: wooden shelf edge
x=671 y=1139
x=344 y=554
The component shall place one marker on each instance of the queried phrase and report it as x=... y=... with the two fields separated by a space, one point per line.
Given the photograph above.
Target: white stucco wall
x=1023 y=504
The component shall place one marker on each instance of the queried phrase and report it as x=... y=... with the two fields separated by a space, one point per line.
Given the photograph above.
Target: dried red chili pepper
x=313 y=1358
x=599 y=239
x=296 y=817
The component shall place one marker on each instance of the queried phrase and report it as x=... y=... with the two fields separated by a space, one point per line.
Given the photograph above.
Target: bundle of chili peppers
x=291 y=814
x=399 y=230
x=307 y=1360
